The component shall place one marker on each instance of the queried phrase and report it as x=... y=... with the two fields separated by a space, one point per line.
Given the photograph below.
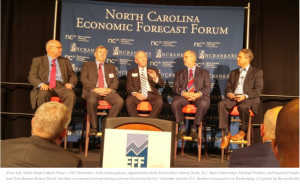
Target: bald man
x=41 y=149
x=260 y=154
x=286 y=142
x=52 y=75
x=192 y=85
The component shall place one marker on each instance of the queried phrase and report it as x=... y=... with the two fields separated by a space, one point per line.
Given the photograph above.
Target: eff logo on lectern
x=137 y=150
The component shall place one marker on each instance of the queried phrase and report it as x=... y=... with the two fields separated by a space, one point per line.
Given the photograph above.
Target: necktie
x=52 y=82
x=100 y=77
x=144 y=84
x=191 y=82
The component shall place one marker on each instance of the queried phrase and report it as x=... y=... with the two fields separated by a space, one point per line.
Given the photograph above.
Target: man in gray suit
x=243 y=88
x=52 y=75
x=41 y=149
x=100 y=81
x=191 y=85
x=259 y=154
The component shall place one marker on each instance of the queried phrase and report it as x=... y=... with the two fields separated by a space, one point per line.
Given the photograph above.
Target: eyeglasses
x=57 y=47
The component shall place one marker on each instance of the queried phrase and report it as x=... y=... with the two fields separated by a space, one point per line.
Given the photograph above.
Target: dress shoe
x=194 y=135
x=239 y=136
x=93 y=131
x=181 y=134
x=225 y=140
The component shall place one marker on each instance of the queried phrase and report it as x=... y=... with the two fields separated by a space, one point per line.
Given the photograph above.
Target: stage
x=189 y=160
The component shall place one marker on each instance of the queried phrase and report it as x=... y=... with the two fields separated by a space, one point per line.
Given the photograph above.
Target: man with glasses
x=52 y=75
x=191 y=86
x=142 y=84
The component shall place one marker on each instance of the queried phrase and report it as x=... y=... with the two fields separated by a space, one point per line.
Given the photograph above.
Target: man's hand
x=231 y=96
x=191 y=96
x=240 y=98
x=194 y=96
x=186 y=95
x=140 y=96
x=45 y=87
x=68 y=85
x=102 y=91
x=106 y=91
x=152 y=74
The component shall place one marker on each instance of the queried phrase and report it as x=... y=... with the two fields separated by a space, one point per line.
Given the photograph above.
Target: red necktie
x=100 y=77
x=191 y=82
x=52 y=82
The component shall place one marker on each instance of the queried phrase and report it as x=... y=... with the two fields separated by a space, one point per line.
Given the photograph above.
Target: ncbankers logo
x=137 y=150
x=203 y=55
x=161 y=54
x=115 y=51
x=74 y=48
x=118 y=52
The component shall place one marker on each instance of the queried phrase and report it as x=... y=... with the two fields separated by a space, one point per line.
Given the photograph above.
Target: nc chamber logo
x=137 y=150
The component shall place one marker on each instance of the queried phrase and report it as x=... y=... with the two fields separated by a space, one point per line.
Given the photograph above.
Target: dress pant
x=92 y=100
x=226 y=105
x=155 y=101
x=66 y=95
x=202 y=105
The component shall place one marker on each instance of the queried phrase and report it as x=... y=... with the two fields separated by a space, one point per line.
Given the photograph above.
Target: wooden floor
x=189 y=160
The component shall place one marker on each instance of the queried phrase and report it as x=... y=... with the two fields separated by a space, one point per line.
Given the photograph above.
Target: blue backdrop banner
x=164 y=33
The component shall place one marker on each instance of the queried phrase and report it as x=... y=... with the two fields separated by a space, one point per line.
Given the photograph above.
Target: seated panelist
x=191 y=86
x=100 y=82
x=142 y=84
x=52 y=75
x=243 y=88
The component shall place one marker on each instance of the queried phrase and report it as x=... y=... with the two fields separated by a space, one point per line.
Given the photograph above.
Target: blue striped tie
x=144 y=84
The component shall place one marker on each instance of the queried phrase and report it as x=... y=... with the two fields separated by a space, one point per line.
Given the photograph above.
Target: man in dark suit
x=142 y=84
x=259 y=154
x=99 y=82
x=52 y=75
x=243 y=88
x=41 y=149
x=286 y=142
x=191 y=85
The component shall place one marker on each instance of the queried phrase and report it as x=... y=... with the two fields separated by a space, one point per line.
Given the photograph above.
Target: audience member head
x=51 y=121
x=141 y=58
x=54 y=48
x=286 y=142
x=189 y=58
x=267 y=129
x=100 y=53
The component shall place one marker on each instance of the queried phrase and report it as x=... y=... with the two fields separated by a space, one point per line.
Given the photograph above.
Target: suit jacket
x=35 y=152
x=39 y=73
x=89 y=77
x=134 y=83
x=255 y=155
x=253 y=85
x=201 y=81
